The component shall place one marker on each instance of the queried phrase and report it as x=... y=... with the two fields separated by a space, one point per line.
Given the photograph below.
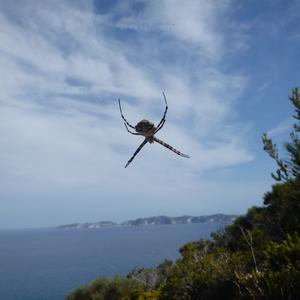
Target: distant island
x=152 y=221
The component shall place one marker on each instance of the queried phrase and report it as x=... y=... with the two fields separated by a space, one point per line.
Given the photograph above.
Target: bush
x=105 y=289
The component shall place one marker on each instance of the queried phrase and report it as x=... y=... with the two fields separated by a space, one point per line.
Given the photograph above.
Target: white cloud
x=281 y=128
x=194 y=22
x=65 y=67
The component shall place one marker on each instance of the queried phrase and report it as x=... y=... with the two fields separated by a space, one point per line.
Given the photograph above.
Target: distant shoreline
x=153 y=221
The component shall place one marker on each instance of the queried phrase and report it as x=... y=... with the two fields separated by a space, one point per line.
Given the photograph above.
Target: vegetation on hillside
x=257 y=257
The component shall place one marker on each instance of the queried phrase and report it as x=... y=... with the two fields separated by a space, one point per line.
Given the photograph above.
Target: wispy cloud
x=193 y=23
x=281 y=128
x=65 y=63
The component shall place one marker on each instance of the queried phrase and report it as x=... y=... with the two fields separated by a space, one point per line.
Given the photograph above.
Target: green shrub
x=117 y=288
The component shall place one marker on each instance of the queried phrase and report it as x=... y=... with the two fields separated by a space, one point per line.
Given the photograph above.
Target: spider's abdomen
x=145 y=127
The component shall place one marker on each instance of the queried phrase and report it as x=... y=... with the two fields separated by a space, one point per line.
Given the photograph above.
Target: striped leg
x=169 y=147
x=134 y=133
x=137 y=151
x=125 y=121
x=163 y=120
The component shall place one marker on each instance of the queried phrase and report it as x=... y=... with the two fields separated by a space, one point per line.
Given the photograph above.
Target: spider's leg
x=160 y=126
x=137 y=151
x=123 y=116
x=135 y=133
x=162 y=121
x=169 y=147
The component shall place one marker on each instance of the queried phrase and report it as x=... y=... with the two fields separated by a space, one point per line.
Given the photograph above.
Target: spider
x=147 y=129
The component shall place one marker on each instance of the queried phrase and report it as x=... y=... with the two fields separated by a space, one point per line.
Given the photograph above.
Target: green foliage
x=152 y=279
x=287 y=168
x=279 y=216
x=255 y=258
x=232 y=236
x=282 y=209
x=280 y=274
x=145 y=295
x=204 y=272
x=106 y=289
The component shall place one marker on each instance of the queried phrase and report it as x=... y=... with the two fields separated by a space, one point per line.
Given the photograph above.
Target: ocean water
x=46 y=264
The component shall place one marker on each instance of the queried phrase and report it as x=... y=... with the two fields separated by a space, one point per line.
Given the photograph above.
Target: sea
x=47 y=264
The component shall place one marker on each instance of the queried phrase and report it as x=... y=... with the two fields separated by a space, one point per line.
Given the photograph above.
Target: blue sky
x=226 y=69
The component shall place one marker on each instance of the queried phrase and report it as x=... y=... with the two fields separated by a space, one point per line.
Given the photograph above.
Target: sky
x=226 y=68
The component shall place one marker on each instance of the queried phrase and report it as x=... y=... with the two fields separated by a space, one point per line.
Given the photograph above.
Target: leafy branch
x=287 y=168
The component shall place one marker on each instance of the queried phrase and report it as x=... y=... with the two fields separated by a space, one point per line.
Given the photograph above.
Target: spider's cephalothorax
x=148 y=130
x=145 y=128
